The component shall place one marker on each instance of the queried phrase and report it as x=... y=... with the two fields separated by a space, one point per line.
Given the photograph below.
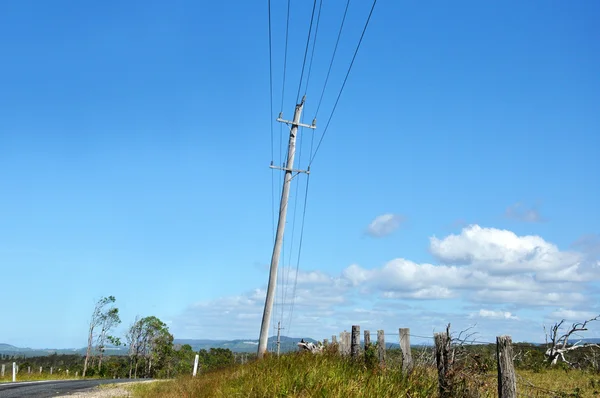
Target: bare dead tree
x=558 y=342
x=458 y=342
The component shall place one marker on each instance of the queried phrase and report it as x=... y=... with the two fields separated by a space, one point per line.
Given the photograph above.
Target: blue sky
x=458 y=180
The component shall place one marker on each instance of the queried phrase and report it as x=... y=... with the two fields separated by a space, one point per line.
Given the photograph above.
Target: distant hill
x=243 y=345
x=240 y=345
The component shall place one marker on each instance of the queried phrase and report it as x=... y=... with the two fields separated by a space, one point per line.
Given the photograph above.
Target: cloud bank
x=494 y=270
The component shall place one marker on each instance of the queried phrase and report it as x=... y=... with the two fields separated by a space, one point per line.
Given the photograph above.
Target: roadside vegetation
x=329 y=375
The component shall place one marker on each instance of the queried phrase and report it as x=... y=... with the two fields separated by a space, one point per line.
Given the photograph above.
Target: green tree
x=109 y=320
x=150 y=345
x=103 y=310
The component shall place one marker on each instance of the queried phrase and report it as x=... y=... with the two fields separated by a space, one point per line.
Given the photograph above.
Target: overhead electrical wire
x=271 y=119
x=283 y=282
x=312 y=55
x=344 y=83
x=299 y=254
x=300 y=140
x=312 y=17
x=332 y=58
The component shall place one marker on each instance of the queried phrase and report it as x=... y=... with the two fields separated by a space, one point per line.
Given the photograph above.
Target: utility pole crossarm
x=308 y=126
x=292 y=170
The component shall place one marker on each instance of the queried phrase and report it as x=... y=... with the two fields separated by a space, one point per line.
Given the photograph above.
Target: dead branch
x=559 y=343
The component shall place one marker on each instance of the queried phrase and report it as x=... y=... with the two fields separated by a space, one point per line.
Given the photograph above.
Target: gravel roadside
x=107 y=391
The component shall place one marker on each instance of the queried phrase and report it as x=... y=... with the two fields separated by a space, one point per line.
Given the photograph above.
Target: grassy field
x=306 y=375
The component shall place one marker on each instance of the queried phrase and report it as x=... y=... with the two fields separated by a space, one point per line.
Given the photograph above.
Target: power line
x=344 y=83
x=287 y=26
x=271 y=119
x=291 y=245
x=332 y=58
x=299 y=253
x=312 y=17
x=312 y=55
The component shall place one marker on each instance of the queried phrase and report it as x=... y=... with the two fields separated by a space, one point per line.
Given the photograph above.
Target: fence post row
x=407 y=362
x=507 y=382
x=381 y=347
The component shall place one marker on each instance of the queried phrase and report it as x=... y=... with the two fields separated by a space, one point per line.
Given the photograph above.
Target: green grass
x=297 y=375
x=306 y=375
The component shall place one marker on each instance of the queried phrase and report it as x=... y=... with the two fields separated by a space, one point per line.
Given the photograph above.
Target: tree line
x=150 y=350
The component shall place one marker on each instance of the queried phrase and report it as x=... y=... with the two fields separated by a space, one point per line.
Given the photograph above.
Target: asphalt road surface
x=46 y=389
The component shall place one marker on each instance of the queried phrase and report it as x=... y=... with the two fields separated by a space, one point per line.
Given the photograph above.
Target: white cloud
x=483 y=313
x=384 y=225
x=503 y=252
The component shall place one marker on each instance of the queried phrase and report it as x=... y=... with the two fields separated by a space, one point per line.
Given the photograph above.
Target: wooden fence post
x=355 y=344
x=3 y=369
x=442 y=350
x=348 y=343
x=341 y=348
x=407 y=362
x=367 y=339
x=40 y=370
x=325 y=342
x=507 y=382
x=381 y=347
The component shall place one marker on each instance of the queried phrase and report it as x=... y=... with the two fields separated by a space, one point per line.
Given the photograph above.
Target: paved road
x=47 y=389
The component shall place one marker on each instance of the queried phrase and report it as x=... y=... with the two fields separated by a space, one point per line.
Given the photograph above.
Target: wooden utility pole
x=285 y=194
